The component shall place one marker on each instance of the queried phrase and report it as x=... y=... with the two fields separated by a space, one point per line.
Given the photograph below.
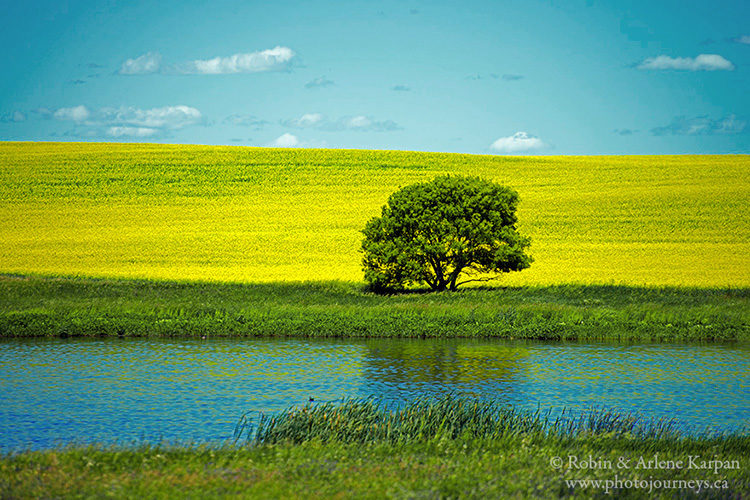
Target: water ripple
x=55 y=392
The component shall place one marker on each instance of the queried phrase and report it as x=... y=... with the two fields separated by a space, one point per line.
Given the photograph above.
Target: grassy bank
x=234 y=214
x=53 y=307
x=432 y=449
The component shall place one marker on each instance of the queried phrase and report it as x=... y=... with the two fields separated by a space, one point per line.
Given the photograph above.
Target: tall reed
x=446 y=417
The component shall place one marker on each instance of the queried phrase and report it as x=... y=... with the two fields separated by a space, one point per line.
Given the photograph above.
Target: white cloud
x=359 y=123
x=129 y=121
x=285 y=141
x=131 y=131
x=274 y=59
x=142 y=65
x=520 y=141
x=292 y=141
x=308 y=120
x=364 y=124
x=167 y=117
x=76 y=114
x=703 y=62
x=744 y=39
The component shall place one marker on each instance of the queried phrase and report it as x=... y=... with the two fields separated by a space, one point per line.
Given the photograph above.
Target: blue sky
x=488 y=77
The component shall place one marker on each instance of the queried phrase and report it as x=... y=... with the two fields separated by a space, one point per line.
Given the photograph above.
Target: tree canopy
x=444 y=233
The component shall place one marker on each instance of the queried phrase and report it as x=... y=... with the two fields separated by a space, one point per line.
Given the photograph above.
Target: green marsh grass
x=437 y=418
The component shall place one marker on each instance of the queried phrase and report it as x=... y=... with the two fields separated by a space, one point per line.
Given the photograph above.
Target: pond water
x=55 y=392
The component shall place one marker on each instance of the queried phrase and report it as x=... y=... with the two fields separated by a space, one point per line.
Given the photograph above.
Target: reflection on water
x=60 y=391
x=404 y=370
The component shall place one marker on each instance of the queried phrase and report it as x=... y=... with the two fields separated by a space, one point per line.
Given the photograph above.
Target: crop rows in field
x=261 y=215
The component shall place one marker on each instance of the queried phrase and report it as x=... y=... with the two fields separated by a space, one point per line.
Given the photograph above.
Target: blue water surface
x=127 y=391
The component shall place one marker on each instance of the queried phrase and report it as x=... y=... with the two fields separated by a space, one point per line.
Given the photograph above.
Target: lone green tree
x=446 y=232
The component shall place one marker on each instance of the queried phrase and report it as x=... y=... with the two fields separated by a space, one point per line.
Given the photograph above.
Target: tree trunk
x=440 y=282
x=454 y=278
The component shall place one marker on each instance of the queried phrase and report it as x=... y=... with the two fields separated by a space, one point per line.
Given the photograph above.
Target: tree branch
x=478 y=279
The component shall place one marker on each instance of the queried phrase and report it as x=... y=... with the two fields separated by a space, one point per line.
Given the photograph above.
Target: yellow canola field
x=262 y=215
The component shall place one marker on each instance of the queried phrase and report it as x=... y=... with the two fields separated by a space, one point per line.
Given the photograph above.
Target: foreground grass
x=445 y=448
x=52 y=307
x=268 y=215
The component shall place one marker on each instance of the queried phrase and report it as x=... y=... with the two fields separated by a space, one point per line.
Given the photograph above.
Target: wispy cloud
x=275 y=59
x=129 y=121
x=701 y=125
x=321 y=81
x=142 y=65
x=132 y=131
x=13 y=117
x=479 y=76
x=508 y=77
x=76 y=114
x=743 y=39
x=241 y=120
x=703 y=62
x=43 y=112
x=624 y=131
x=365 y=124
x=516 y=143
x=167 y=117
x=357 y=123
x=308 y=120
x=401 y=88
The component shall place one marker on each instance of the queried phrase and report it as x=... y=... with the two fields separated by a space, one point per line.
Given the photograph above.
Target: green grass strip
x=68 y=307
